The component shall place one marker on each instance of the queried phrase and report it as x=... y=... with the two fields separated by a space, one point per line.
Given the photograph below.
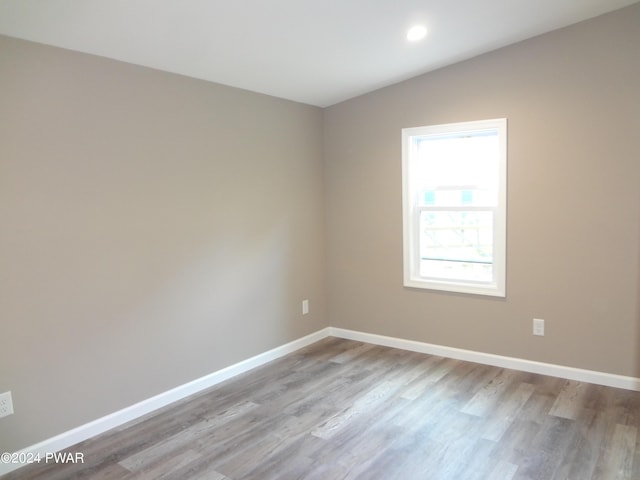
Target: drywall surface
x=572 y=101
x=153 y=229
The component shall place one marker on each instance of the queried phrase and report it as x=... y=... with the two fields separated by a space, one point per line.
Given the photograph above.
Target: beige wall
x=572 y=99
x=153 y=229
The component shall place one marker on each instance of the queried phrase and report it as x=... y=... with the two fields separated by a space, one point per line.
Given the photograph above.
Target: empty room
x=337 y=239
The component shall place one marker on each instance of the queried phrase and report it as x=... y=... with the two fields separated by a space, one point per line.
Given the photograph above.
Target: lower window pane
x=457 y=245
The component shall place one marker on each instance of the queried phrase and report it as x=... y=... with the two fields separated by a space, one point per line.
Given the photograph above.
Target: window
x=454 y=206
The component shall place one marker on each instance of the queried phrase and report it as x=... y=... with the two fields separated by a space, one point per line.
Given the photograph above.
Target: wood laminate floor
x=341 y=409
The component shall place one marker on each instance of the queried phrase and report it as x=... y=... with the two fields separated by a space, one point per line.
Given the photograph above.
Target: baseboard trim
x=570 y=373
x=116 y=419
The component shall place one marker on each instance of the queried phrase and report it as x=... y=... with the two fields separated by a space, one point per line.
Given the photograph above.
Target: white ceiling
x=318 y=52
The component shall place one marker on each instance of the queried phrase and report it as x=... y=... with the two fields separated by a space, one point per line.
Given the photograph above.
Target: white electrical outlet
x=6 y=405
x=538 y=327
x=305 y=307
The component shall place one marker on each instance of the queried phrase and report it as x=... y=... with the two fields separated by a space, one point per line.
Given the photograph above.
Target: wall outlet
x=305 y=307
x=6 y=404
x=538 y=327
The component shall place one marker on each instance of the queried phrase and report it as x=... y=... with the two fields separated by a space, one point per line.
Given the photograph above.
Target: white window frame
x=411 y=212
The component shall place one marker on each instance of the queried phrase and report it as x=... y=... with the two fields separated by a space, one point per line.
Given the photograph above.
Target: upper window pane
x=459 y=169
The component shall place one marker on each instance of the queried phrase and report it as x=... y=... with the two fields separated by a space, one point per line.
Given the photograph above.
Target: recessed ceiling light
x=416 y=33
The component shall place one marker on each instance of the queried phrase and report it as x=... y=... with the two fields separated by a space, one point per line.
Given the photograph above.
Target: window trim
x=411 y=212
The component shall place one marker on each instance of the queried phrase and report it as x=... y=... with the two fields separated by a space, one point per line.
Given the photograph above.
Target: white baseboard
x=570 y=373
x=116 y=419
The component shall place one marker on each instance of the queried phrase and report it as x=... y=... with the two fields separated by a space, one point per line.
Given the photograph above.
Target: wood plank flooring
x=341 y=409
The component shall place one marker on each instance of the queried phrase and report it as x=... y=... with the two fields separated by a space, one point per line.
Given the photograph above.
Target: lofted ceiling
x=318 y=52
